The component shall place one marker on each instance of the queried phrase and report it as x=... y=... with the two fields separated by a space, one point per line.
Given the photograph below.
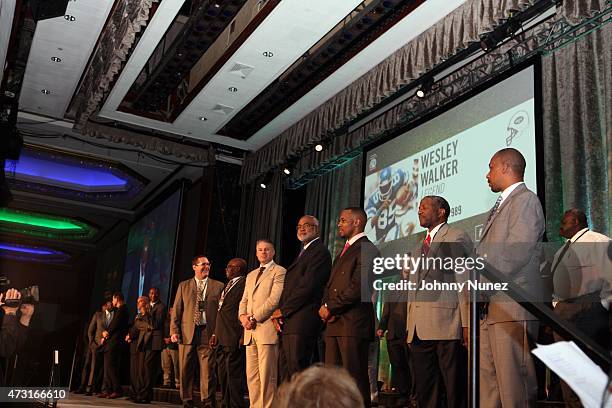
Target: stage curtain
x=328 y=194
x=261 y=216
x=577 y=99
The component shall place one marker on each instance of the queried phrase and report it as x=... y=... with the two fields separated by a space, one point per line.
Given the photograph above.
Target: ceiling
x=260 y=49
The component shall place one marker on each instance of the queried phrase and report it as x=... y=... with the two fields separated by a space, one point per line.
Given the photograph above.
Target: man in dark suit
x=193 y=319
x=227 y=336
x=153 y=360
x=100 y=321
x=348 y=314
x=511 y=243
x=296 y=316
x=13 y=328
x=437 y=322
x=393 y=322
x=112 y=338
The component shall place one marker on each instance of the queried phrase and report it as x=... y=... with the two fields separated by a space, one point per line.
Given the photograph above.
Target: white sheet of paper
x=570 y=363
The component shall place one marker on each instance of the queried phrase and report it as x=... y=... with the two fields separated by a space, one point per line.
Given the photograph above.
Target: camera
x=29 y=295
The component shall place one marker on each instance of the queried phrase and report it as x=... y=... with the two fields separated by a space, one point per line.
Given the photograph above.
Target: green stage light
x=42 y=225
x=38 y=220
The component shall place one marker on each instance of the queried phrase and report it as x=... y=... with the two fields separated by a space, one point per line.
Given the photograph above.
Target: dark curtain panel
x=327 y=195
x=261 y=216
x=577 y=99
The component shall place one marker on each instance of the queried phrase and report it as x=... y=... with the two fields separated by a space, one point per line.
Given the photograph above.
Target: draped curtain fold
x=577 y=99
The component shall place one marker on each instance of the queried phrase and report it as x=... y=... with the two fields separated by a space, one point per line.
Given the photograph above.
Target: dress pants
x=295 y=353
x=188 y=353
x=170 y=366
x=592 y=319
x=438 y=367
x=94 y=380
x=352 y=354
x=231 y=368
x=261 y=373
x=112 y=359
x=507 y=373
x=401 y=375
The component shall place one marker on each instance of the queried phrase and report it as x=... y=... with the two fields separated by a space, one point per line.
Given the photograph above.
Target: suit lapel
x=503 y=205
x=264 y=275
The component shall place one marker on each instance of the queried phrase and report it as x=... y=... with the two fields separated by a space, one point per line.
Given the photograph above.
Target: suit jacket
x=393 y=318
x=261 y=299
x=343 y=292
x=511 y=241
x=228 y=328
x=183 y=310
x=91 y=331
x=304 y=284
x=118 y=328
x=158 y=314
x=141 y=333
x=440 y=315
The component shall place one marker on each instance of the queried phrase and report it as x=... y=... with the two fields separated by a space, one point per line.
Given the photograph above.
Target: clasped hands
x=248 y=321
x=326 y=315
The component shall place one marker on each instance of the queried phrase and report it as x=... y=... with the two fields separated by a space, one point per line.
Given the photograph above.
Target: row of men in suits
x=274 y=316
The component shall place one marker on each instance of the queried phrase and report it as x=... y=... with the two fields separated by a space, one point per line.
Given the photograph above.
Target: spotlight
x=287 y=170
x=426 y=85
x=319 y=147
x=262 y=185
x=490 y=41
x=265 y=180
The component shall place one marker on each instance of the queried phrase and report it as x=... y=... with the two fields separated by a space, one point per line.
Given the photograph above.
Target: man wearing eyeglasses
x=297 y=315
x=191 y=326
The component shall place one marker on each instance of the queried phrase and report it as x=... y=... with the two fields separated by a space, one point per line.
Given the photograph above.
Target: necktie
x=301 y=252
x=108 y=319
x=426 y=244
x=495 y=207
x=199 y=316
x=261 y=270
x=346 y=246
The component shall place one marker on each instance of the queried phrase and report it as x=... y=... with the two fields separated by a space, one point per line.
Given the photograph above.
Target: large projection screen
x=150 y=252
x=449 y=156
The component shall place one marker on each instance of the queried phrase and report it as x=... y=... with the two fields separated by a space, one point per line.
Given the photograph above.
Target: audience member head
x=264 y=250
x=307 y=229
x=573 y=221
x=201 y=266
x=320 y=387
x=433 y=211
x=351 y=222
x=142 y=304
x=235 y=267
x=506 y=167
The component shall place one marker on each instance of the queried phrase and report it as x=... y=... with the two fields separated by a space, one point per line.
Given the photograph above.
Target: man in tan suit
x=262 y=292
x=438 y=320
x=510 y=242
x=191 y=325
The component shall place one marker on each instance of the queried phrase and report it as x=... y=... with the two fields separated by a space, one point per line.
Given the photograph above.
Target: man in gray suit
x=438 y=320
x=193 y=320
x=510 y=242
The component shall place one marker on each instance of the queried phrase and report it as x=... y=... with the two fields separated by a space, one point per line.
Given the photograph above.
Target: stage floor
x=78 y=400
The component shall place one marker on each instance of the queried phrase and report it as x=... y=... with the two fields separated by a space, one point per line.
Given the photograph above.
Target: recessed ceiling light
x=68 y=17
x=319 y=147
x=56 y=59
x=203 y=119
x=217 y=5
x=232 y=89
x=45 y=91
x=287 y=171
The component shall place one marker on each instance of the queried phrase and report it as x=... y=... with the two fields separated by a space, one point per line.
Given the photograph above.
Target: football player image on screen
x=381 y=205
x=406 y=204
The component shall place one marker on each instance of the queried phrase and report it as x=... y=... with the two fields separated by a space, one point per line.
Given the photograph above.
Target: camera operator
x=14 y=327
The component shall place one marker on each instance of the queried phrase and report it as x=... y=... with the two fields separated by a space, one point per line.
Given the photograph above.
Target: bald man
x=510 y=242
x=296 y=316
x=348 y=315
